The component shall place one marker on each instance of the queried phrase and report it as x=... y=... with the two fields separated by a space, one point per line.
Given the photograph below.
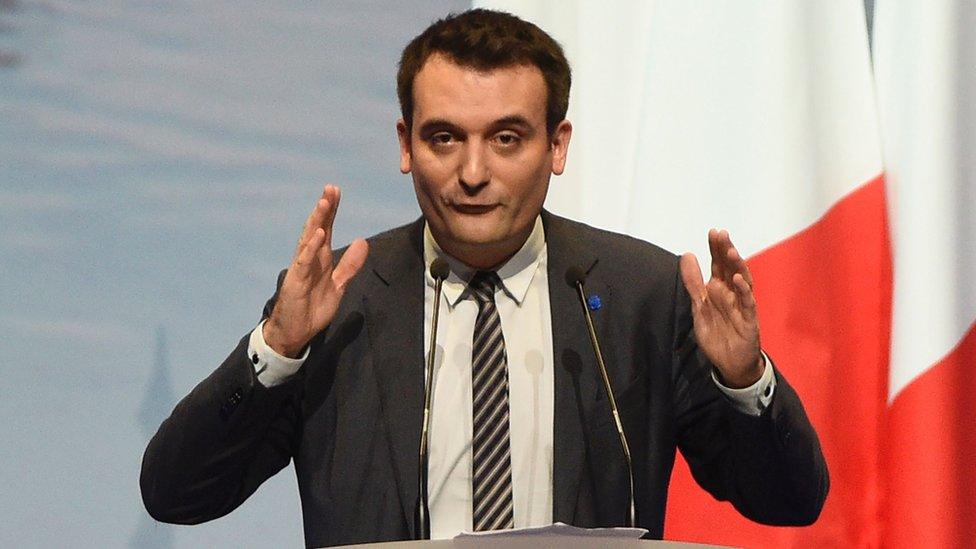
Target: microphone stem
x=422 y=522
x=632 y=513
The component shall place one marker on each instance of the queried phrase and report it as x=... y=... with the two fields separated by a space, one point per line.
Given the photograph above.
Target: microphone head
x=575 y=276
x=439 y=269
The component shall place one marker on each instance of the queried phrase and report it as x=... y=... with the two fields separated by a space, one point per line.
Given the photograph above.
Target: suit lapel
x=576 y=382
x=394 y=312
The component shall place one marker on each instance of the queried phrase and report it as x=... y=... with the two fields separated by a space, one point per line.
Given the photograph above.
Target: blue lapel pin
x=594 y=302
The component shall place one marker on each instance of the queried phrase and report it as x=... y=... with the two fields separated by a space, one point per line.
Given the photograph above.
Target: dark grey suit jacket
x=351 y=418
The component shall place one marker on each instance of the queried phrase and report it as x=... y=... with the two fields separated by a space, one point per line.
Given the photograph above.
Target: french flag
x=850 y=184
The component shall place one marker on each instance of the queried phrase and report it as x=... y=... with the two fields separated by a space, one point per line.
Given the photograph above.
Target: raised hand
x=310 y=294
x=724 y=311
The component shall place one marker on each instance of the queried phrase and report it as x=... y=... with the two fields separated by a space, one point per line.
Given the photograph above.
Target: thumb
x=350 y=263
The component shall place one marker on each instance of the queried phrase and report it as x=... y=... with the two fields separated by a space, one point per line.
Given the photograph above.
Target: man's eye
x=441 y=138
x=507 y=139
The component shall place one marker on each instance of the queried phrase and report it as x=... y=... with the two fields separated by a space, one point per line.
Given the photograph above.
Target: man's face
x=480 y=156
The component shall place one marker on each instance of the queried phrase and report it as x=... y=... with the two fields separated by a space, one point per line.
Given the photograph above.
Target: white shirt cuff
x=755 y=398
x=270 y=367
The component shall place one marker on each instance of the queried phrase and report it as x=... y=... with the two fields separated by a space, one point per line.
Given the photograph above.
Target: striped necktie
x=492 y=463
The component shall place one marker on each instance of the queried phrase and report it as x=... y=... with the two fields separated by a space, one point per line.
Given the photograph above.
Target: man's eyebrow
x=441 y=124
x=513 y=120
x=437 y=124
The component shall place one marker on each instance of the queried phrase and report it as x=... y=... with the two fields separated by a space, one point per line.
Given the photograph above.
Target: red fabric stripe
x=825 y=308
x=930 y=461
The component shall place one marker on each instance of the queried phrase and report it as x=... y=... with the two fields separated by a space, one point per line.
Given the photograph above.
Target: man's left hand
x=724 y=311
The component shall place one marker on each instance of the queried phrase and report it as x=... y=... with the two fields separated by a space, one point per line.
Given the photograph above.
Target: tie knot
x=483 y=285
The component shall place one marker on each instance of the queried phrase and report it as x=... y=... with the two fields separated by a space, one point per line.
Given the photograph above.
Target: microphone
x=575 y=277
x=439 y=269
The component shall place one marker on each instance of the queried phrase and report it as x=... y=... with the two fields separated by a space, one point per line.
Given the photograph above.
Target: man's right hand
x=310 y=294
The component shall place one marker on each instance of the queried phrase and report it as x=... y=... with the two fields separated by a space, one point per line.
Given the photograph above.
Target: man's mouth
x=473 y=209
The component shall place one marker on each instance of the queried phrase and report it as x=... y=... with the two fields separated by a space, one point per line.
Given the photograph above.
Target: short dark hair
x=485 y=40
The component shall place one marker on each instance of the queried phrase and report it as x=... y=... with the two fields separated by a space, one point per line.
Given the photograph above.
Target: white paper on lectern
x=559 y=529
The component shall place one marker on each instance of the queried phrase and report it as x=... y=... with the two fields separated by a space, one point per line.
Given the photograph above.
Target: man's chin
x=475 y=230
x=477 y=240
x=471 y=237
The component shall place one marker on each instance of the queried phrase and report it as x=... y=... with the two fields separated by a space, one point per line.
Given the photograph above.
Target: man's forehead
x=445 y=89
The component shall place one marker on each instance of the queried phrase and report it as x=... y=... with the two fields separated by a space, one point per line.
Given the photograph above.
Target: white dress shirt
x=523 y=306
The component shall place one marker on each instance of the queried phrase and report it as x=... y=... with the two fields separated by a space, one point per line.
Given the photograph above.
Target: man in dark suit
x=522 y=432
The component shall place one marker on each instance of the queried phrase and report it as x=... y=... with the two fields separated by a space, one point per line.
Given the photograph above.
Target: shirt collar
x=516 y=274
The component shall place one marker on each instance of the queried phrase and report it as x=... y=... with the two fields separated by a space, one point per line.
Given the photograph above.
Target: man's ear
x=559 y=141
x=403 y=134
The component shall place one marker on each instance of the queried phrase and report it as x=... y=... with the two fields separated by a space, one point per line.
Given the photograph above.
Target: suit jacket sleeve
x=221 y=442
x=770 y=467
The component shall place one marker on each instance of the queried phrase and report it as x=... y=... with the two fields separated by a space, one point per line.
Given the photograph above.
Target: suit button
x=235 y=397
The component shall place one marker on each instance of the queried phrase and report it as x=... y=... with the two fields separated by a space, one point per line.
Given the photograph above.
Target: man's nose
x=474 y=172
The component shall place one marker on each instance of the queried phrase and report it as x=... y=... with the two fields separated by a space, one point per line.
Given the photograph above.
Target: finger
x=724 y=245
x=691 y=275
x=350 y=264
x=721 y=298
x=736 y=264
x=332 y=195
x=312 y=222
x=747 y=299
x=308 y=254
x=716 y=253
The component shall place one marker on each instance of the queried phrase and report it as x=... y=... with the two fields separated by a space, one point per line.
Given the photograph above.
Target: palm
x=724 y=311
x=310 y=300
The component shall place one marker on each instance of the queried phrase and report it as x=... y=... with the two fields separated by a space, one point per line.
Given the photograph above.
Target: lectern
x=535 y=542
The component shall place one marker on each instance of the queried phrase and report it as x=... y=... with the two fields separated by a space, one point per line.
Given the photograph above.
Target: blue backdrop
x=157 y=160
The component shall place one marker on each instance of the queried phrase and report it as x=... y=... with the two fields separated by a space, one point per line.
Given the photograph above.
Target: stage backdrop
x=850 y=188
x=157 y=160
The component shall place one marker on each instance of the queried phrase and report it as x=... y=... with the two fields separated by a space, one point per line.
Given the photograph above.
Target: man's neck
x=479 y=257
x=482 y=257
